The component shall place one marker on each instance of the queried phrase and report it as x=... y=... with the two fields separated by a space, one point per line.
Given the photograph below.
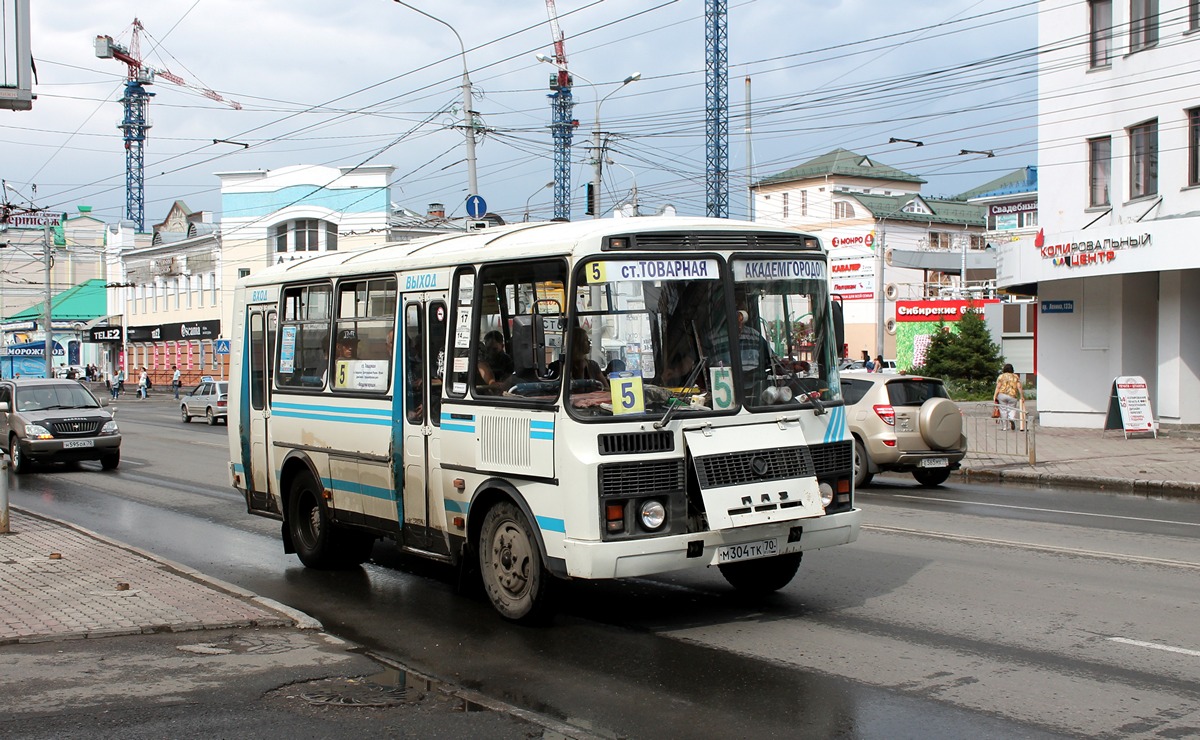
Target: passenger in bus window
x=347 y=344
x=495 y=365
x=583 y=367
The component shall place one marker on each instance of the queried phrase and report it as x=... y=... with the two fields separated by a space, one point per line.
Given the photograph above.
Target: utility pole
x=49 y=310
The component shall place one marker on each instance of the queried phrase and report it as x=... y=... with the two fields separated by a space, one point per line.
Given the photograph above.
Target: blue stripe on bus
x=457 y=428
x=552 y=525
x=237 y=468
x=534 y=424
x=456 y=507
x=330 y=417
x=350 y=486
x=541 y=435
x=333 y=409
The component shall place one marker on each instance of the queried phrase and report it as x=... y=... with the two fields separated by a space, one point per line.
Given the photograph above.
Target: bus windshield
x=641 y=333
x=783 y=313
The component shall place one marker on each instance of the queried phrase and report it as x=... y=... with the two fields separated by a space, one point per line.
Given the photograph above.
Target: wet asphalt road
x=963 y=611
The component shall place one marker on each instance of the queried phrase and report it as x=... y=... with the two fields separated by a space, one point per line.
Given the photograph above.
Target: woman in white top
x=143 y=382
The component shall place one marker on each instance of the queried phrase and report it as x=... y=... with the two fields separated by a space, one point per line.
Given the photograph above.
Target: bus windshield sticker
x=755 y=270
x=361 y=375
x=646 y=270
x=460 y=364
x=287 y=350
x=626 y=389
x=721 y=382
x=466 y=289
x=462 y=329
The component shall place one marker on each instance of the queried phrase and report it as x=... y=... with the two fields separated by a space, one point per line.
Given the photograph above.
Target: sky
x=374 y=82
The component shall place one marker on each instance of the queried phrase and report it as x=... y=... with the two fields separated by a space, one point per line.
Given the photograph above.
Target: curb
x=1179 y=489
x=298 y=619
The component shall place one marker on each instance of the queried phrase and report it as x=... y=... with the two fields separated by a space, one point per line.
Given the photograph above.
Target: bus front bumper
x=650 y=555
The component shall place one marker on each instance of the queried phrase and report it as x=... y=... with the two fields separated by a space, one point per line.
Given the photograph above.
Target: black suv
x=56 y=420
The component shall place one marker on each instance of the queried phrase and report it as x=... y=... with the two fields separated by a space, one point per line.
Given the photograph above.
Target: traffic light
x=590 y=210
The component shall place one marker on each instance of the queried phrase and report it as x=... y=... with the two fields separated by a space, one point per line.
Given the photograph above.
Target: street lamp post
x=633 y=195
x=547 y=185
x=468 y=113
x=597 y=211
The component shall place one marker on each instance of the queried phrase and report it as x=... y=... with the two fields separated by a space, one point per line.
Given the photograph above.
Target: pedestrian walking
x=143 y=383
x=176 y=380
x=118 y=384
x=1010 y=395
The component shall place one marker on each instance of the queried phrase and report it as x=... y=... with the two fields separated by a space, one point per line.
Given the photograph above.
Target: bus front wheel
x=763 y=576
x=511 y=566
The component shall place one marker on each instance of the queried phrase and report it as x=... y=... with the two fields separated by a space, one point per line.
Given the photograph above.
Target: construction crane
x=562 y=126
x=136 y=122
x=716 y=88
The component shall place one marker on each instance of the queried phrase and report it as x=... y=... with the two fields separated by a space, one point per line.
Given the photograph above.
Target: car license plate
x=747 y=551
x=73 y=444
x=935 y=462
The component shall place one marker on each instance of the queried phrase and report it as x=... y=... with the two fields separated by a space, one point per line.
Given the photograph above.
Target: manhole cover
x=387 y=689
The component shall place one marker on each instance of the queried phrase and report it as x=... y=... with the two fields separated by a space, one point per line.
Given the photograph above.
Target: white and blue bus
x=547 y=401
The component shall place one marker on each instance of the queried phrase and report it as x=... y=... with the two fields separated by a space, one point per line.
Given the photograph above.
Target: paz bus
x=546 y=401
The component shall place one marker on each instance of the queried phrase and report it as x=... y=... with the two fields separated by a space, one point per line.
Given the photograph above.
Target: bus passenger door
x=261 y=476
x=423 y=367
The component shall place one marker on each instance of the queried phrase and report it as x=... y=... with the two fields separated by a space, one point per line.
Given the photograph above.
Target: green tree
x=967 y=355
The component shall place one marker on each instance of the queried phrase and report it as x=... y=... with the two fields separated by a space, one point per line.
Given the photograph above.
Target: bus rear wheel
x=511 y=566
x=763 y=576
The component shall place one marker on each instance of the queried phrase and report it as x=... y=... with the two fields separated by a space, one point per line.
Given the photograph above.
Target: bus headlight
x=826 y=494
x=653 y=514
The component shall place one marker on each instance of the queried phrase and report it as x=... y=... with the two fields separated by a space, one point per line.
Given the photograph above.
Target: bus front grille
x=832 y=459
x=648 y=477
x=752 y=466
x=627 y=443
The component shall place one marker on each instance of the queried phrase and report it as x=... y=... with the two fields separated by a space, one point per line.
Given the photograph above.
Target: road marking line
x=1156 y=646
x=1144 y=560
x=1034 y=508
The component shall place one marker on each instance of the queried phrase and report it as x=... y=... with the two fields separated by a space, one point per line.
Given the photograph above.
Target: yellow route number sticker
x=626 y=390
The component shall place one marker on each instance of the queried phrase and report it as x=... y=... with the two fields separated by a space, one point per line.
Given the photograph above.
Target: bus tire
x=763 y=576
x=309 y=524
x=511 y=565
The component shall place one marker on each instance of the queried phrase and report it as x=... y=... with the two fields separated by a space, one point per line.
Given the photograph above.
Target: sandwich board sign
x=1129 y=407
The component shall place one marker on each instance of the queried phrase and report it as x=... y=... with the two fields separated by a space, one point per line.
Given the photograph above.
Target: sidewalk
x=58 y=583
x=1091 y=458
x=185 y=655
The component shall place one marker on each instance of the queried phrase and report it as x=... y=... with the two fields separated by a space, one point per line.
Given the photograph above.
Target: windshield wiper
x=688 y=384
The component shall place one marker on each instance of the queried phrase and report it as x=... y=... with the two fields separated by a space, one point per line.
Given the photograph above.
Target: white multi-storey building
x=1115 y=264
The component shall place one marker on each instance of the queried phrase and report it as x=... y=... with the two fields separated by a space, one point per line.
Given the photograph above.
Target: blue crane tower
x=716 y=87
x=136 y=122
x=562 y=126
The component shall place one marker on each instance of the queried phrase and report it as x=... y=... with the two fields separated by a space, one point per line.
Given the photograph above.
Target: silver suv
x=904 y=423
x=56 y=420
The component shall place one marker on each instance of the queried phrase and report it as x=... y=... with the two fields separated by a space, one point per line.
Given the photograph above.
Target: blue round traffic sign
x=476 y=206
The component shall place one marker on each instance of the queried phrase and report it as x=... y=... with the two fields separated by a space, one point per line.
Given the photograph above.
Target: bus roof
x=500 y=242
